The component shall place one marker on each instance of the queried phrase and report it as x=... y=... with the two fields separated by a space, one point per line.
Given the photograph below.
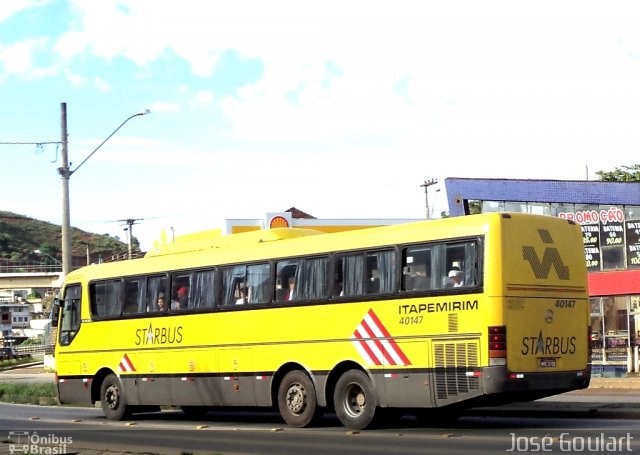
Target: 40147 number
x=411 y=320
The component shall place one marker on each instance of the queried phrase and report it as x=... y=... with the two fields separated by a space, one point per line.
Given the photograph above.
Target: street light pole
x=66 y=173
x=42 y=253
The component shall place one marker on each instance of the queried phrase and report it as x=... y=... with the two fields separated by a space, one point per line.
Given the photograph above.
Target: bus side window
x=180 y=291
x=312 y=279
x=156 y=293
x=105 y=298
x=381 y=272
x=416 y=269
x=285 y=280
x=233 y=282
x=204 y=291
x=134 y=296
x=258 y=283
x=349 y=268
x=461 y=264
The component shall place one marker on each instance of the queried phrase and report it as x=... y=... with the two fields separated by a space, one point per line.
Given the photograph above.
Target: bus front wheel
x=297 y=399
x=354 y=400
x=113 y=399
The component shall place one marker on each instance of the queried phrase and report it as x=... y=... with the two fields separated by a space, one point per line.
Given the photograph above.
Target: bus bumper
x=532 y=385
x=74 y=390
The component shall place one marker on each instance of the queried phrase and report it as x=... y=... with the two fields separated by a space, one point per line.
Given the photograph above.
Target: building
x=609 y=215
x=296 y=218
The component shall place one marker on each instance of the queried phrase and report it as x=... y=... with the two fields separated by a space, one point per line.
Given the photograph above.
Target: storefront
x=609 y=215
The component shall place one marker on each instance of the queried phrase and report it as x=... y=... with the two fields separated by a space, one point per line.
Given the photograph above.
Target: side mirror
x=55 y=310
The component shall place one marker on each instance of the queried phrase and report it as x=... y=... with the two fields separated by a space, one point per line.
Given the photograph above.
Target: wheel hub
x=296 y=398
x=112 y=397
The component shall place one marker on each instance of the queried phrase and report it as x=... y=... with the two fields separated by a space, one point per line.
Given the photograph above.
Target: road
x=86 y=431
x=568 y=423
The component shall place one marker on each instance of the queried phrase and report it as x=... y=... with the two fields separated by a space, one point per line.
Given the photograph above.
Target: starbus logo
x=551 y=257
x=159 y=335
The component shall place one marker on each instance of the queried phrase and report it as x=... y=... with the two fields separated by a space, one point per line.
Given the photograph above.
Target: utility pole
x=65 y=174
x=426 y=185
x=130 y=222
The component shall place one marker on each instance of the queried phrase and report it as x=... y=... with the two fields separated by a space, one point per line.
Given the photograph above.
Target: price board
x=591 y=239
x=632 y=232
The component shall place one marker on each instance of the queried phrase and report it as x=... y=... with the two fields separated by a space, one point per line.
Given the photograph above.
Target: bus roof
x=218 y=241
x=290 y=242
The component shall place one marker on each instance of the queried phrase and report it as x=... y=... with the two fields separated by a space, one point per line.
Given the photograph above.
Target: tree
x=621 y=174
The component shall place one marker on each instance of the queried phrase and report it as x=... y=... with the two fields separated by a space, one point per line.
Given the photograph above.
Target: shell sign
x=278 y=220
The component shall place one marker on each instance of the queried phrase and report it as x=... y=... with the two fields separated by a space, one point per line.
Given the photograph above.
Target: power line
x=31 y=143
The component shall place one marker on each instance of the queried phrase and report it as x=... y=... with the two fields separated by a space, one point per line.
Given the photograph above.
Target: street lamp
x=65 y=173
x=42 y=253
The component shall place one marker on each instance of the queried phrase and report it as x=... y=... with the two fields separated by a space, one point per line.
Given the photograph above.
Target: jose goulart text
x=566 y=442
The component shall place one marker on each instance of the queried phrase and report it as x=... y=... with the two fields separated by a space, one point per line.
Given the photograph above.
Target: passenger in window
x=182 y=299
x=281 y=293
x=162 y=303
x=292 y=287
x=455 y=279
x=242 y=297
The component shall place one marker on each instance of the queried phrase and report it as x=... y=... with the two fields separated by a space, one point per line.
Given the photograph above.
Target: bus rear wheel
x=113 y=399
x=297 y=399
x=354 y=400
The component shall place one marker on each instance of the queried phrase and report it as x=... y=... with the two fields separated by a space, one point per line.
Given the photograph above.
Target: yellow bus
x=445 y=314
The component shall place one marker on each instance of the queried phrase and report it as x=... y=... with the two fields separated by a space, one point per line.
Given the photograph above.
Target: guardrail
x=28 y=267
x=31 y=348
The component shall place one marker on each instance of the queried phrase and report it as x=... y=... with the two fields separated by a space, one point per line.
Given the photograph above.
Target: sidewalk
x=630 y=382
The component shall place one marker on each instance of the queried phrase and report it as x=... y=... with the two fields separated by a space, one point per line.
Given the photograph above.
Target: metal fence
x=28 y=267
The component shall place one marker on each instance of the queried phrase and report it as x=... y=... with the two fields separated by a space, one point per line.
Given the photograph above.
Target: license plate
x=548 y=363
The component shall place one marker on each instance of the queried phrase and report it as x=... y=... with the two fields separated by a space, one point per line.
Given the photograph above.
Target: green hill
x=21 y=235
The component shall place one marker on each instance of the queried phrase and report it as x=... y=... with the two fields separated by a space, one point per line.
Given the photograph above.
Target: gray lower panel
x=198 y=391
x=74 y=391
x=407 y=390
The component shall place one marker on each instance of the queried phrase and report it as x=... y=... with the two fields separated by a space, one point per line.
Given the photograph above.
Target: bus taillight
x=497 y=345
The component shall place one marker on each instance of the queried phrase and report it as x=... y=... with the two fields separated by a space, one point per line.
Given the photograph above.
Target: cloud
x=204 y=97
x=164 y=106
x=102 y=85
x=75 y=79
x=17 y=58
x=13 y=7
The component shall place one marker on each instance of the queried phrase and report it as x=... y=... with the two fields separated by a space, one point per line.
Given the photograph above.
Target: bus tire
x=354 y=400
x=113 y=399
x=297 y=400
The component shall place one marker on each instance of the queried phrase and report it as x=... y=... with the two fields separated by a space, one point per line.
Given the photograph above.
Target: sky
x=339 y=108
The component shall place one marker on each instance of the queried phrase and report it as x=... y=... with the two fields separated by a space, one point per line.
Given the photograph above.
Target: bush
x=28 y=393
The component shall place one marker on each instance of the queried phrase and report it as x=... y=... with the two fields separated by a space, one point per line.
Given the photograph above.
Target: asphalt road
x=605 y=413
x=86 y=431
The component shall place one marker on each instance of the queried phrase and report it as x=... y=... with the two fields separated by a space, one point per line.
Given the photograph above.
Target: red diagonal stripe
x=387 y=335
x=379 y=324
x=377 y=342
x=372 y=356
